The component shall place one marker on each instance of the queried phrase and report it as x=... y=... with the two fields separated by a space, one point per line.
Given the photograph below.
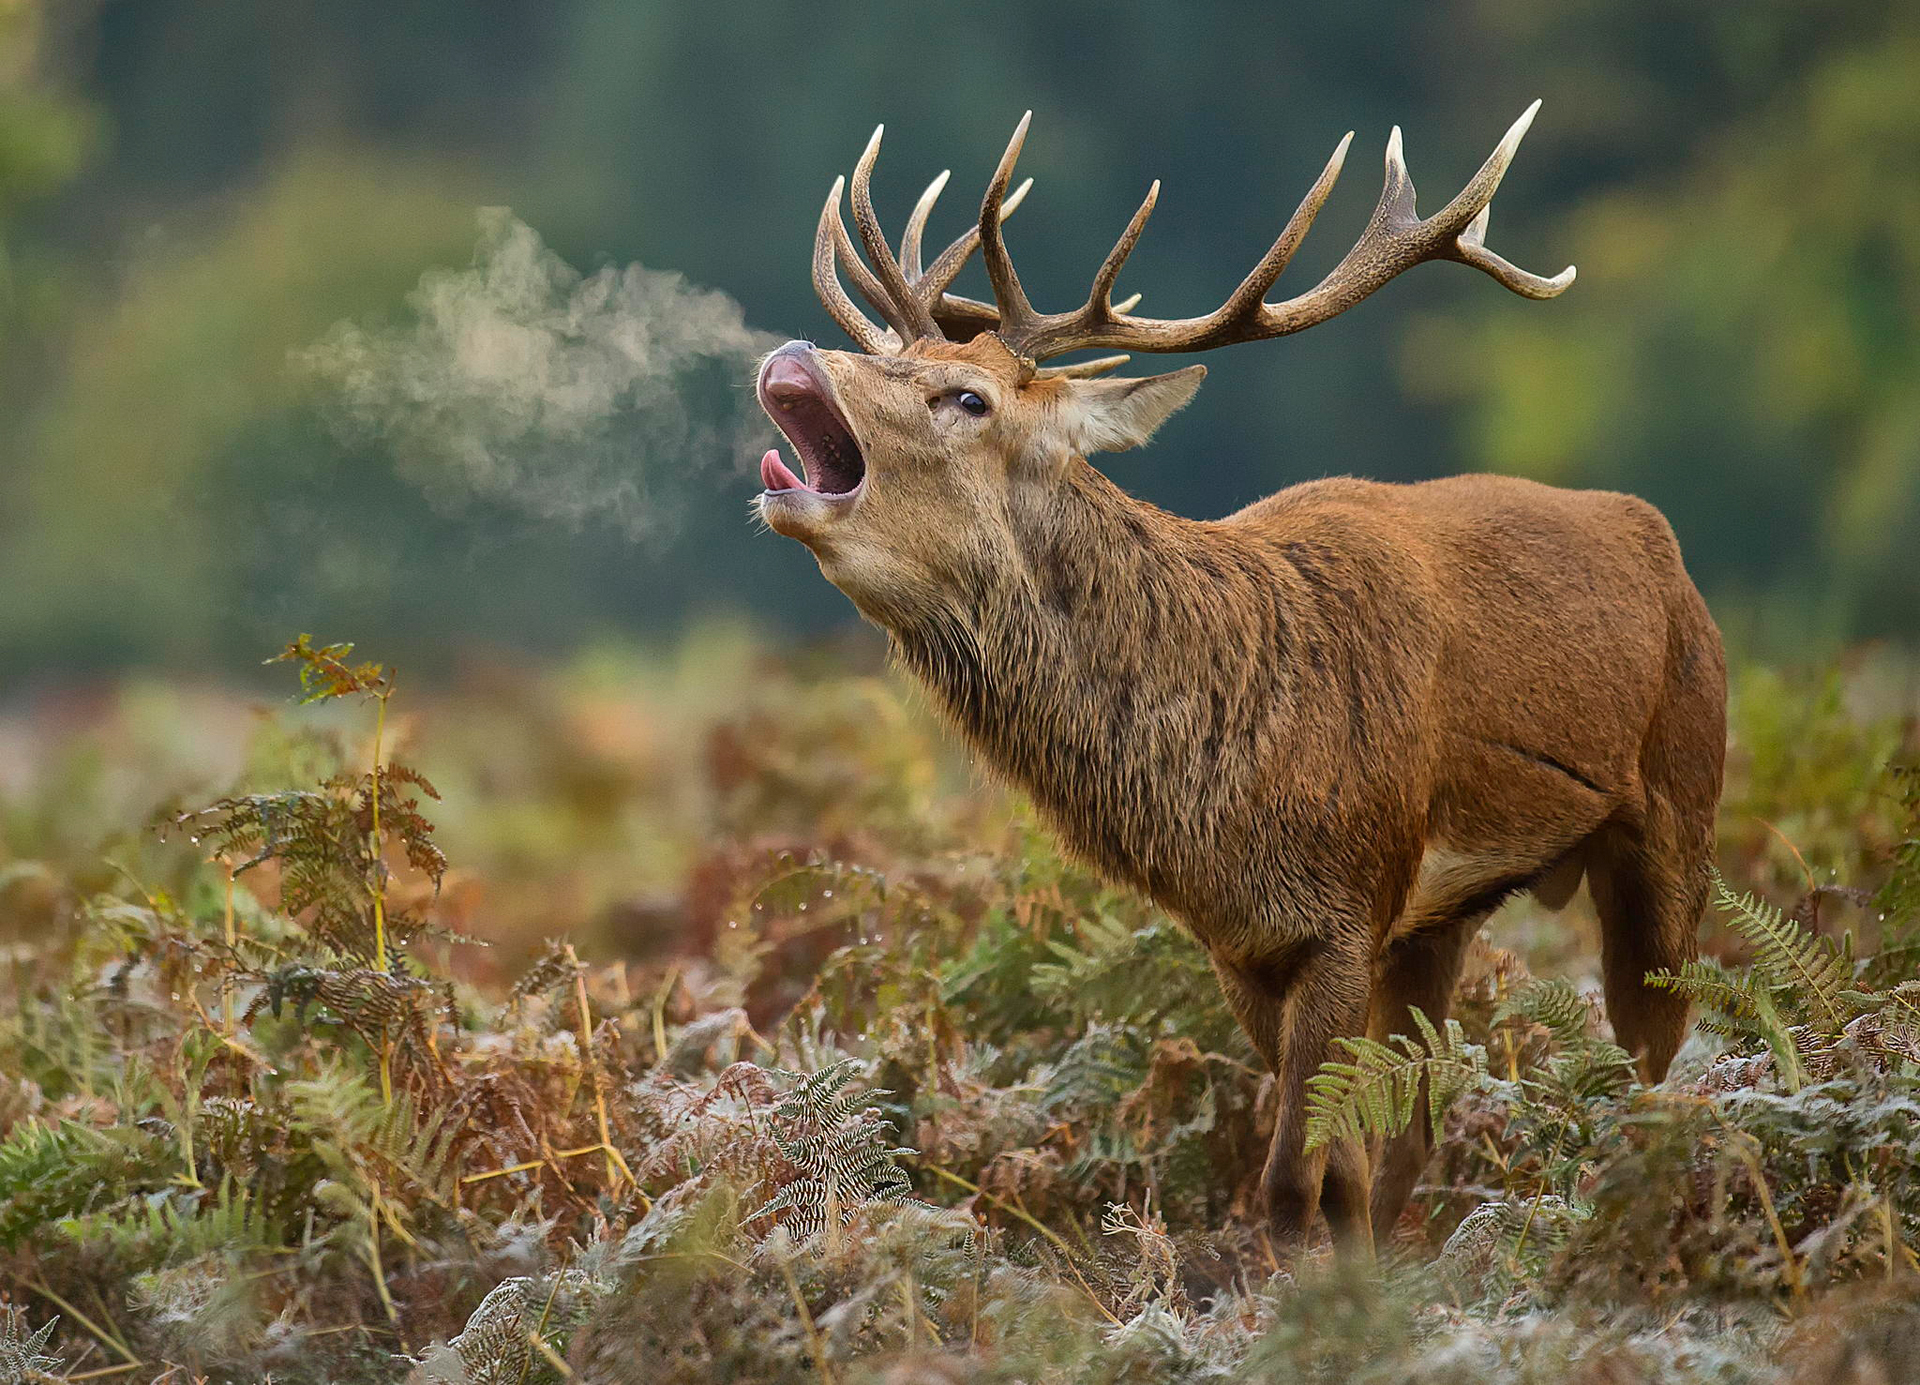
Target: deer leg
x=1649 y=891
x=1292 y=1008
x=1651 y=870
x=1417 y=971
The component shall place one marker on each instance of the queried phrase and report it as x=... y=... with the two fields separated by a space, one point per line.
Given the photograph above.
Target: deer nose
x=788 y=372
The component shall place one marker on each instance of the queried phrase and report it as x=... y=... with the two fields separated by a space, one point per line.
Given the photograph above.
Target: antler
x=913 y=302
x=916 y=304
x=1394 y=240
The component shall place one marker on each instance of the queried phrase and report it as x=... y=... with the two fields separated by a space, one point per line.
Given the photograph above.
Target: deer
x=1330 y=733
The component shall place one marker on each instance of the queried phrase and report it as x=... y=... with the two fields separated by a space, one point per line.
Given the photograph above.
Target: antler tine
x=1253 y=289
x=1082 y=370
x=1099 y=311
x=917 y=226
x=948 y=263
x=903 y=312
x=1474 y=198
x=870 y=287
x=1473 y=251
x=827 y=243
x=1101 y=295
x=1477 y=196
x=1396 y=239
x=1016 y=313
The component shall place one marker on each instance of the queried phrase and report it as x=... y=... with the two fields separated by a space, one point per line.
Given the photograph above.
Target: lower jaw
x=805 y=514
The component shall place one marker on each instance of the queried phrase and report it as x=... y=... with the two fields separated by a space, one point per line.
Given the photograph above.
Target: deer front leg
x=1292 y=1007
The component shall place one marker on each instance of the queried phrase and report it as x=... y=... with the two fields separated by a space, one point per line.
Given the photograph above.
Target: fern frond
x=52 y=1171
x=1728 y=993
x=171 y=1228
x=23 y=1357
x=1805 y=966
x=1552 y=1003
x=1378 y=1092
x=839 y=1147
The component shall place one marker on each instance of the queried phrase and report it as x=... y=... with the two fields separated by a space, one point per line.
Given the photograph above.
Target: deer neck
x=1104 y=662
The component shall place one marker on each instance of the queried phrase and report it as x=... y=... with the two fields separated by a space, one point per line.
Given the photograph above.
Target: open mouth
x=798 y=399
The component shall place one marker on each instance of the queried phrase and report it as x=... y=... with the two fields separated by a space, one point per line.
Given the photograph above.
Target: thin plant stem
x=1059 y=1242
x=540 y=1329
x=615 y=1164
x=226 y=992
x=107 y=1335
x=373 y=1262
x=818 y=1347
x=379 y=874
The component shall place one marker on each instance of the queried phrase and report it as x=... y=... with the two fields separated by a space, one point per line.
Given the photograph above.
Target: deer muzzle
x=798 y=397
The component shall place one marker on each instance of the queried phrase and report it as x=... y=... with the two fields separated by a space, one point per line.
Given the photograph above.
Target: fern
x=840 y=1155
x=23 y=1358
x=496 y=1346
x=1553 y=1004
x=372 y=1146
x=1100 y=1068
x=1788 y=959
x=171 y=1227
x=330 y=842
x=1793 y=976
x=1153 y=976
x=1377 y=1093
x=50 y=1172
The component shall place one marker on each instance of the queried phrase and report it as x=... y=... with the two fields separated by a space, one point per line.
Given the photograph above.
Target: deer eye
x=972 y=403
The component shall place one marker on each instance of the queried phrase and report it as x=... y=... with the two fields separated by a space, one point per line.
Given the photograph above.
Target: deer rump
x=1331 y=732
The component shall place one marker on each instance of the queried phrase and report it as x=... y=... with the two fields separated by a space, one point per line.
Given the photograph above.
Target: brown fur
x=1330 y=733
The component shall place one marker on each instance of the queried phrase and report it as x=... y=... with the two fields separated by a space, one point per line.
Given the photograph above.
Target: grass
x=716 y=1023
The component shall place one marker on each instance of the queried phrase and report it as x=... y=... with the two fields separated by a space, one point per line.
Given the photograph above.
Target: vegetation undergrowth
x=835 y=1070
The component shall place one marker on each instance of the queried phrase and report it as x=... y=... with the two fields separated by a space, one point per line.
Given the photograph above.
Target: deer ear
x=1113 y=415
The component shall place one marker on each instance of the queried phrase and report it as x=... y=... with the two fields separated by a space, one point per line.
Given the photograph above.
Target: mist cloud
x=571 y=397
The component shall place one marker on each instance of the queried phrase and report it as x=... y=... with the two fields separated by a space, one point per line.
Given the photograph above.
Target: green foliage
x=1378 y=1092
x=325 y=673
x=52 y=1172
x=171 y=1226
x=1898 y=899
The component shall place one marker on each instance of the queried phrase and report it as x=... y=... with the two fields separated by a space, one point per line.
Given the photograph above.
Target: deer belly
x=1453 y=883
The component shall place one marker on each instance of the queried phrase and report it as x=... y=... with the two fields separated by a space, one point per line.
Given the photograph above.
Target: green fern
x=1153 y=976
x=1788 y=959
x=49 y=1172
x=369 y=1145
x=1098 y=1070
x=171 y=1227
x=1377 y=1093
x=1552 y=1003
x=1795 y=978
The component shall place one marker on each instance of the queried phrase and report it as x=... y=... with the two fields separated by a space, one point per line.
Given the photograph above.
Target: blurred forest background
x=194 y=192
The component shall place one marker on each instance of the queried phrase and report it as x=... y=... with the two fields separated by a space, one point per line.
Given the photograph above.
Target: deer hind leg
x=1292 y=1008
x=1649 y=873
x=1649 y=882
x=1417 y=971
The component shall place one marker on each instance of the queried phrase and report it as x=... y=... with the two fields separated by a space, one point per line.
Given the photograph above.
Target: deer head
x=921 y=453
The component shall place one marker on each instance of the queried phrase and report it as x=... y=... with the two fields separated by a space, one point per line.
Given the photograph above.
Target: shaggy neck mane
x=1070 y=666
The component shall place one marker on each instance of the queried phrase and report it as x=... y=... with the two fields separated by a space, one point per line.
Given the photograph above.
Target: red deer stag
x=1331 y=732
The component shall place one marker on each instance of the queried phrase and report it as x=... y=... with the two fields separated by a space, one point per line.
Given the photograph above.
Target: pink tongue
x=775 y=476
